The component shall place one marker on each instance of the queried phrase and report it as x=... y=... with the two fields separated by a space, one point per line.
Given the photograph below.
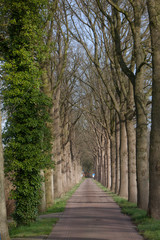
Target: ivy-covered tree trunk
x=154 y=158
x=3 y=215
x=42 y=205
x=26 y=137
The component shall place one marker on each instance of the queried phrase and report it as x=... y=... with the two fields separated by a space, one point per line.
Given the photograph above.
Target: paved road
x=92 y=214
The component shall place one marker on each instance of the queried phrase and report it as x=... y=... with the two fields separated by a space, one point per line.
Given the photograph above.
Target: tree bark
x=42 y=206
x=154 y=158
x=69 y=165
x=131 y=137
x=103 y=160
x=108 y=163
x=123 y=192
x=96 y=166
x=3 y=214
x=117 y=155
x=113 y=163
x=57 y=144
x=49 y=187
x=132 y=182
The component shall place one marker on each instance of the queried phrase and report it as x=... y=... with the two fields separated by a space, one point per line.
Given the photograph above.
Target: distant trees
x=115 y=36
x=133 y=58
x=110 y=77
x=58 y=83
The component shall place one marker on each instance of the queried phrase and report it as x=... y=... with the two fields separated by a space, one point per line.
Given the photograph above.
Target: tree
x=100 y=48
x=154 y=161
x=26 y=136
x=134 y=68
x=3 y=215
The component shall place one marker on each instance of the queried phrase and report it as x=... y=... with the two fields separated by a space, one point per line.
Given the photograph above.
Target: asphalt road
x=92 y=214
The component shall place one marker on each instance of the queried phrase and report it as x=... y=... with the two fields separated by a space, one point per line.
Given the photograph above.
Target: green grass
x=39 y=228
x=148 y=227
x=42 y=227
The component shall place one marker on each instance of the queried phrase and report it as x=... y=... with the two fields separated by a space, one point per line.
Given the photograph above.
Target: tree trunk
x=69 y=165
x=96 y=159
x=57 y=144
x=142 y=154
x=113 y=163
x=4 y=235
x=108 y=163
x=57 y=178
x=131 y=137
x=132 y=182
x=123 y=192
x=154 y=158
x=64 y=172
x=42 y=206
x=103 y=161
x=99 y=164
x=141 y=114
x=117 y=156
x=49 y=187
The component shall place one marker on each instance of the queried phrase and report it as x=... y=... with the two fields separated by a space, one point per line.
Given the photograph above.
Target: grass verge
x=148 y=227
x=42 y=227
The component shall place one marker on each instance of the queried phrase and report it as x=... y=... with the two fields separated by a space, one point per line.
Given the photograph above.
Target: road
x=92 y=214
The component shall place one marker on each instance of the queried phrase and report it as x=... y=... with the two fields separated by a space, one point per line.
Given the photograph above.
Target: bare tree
x=154 y=162
x=131 y=12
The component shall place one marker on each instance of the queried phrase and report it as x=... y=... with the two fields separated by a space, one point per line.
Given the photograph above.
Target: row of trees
x=77 y=81
x=41 y=159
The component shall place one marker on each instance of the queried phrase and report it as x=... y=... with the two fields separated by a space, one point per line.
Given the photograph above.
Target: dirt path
x=92 y=214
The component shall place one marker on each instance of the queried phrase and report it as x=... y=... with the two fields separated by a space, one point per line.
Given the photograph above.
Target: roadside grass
x=42 y=226
x=148 y=227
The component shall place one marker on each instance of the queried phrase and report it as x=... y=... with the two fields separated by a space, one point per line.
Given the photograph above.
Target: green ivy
x=26 y=136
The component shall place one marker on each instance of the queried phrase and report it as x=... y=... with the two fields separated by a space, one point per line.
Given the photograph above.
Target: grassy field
x=42 y=227
x=148 y=227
